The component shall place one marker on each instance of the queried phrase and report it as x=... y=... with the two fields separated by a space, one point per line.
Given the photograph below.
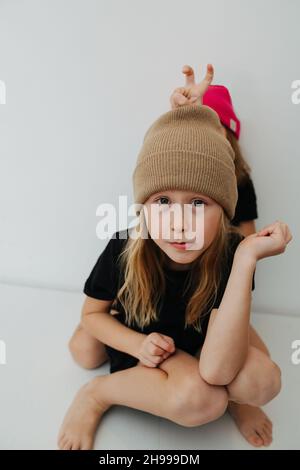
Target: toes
x=266 y=424
x=255 y=439
x=268 y=427
x=266 y=435
x=68 y=445
x=267 y=420
x=62 y=442
x=76 y=446
x=269 y=424
x=266 y=440
x=87 y=444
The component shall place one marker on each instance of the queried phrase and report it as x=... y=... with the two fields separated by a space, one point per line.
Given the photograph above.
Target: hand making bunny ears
x=192 y=92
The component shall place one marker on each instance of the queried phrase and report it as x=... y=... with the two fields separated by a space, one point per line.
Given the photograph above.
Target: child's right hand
x=272 y=240
x=154 y=349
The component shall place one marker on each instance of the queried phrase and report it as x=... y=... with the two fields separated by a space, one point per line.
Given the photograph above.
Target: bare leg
x=177 y=392
x=173 y=390
x=258 y=381
x=86 y=350
x=251 y=420
x=89 y=352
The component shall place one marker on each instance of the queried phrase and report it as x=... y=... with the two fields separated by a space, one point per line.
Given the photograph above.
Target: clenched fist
x=154 y=349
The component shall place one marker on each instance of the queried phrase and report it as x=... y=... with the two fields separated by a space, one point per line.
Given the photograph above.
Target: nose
x=179 y=222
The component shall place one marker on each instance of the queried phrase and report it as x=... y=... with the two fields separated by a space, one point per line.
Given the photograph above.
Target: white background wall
x=85 y=79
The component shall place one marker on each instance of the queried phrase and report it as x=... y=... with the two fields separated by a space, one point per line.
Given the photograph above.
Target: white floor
x=40 y=379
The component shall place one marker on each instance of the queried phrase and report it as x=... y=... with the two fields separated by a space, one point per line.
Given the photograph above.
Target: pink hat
x=218 y=98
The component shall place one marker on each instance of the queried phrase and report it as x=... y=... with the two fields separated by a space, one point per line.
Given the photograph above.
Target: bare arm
x=254 y=338
x=97 y=321
x=227 y=340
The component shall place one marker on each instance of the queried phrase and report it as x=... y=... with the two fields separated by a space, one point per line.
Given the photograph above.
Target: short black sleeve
x=246 y=207
x=235 y=239
x=103 y=281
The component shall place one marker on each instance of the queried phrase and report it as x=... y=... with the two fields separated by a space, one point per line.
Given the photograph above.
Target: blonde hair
x=144 y=280
x=242 y=168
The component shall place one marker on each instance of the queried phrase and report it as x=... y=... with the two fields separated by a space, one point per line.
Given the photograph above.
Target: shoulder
x=104 y=278
x=117 y=241
x=246 y=187
x=246 y=207
x=114 y=244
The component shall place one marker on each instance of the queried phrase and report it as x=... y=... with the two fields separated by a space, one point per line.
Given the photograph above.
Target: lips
x=179 y=245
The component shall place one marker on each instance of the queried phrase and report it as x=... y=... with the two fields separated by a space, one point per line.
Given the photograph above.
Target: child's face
x=182 y=216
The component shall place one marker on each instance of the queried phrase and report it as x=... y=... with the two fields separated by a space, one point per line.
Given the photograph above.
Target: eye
x=199 y=200
x=162 y=198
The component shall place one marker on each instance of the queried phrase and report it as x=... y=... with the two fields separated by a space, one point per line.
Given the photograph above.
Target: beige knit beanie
x=184 y=149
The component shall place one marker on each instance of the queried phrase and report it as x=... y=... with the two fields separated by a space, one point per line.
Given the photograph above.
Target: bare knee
x=195 y=404
x=84 y=352
x=265 y=387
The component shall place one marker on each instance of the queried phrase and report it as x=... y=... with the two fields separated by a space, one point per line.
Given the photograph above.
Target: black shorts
x=119 y=360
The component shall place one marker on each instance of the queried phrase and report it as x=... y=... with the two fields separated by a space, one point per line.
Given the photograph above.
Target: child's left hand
x=270 y=241
x=192 y=92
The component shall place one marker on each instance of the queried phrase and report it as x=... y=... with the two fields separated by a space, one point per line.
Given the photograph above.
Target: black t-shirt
x=246 y=207
x=106 y=277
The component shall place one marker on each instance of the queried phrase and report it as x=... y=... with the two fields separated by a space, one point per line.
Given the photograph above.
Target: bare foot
x=252 y=422
x=79 y=426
